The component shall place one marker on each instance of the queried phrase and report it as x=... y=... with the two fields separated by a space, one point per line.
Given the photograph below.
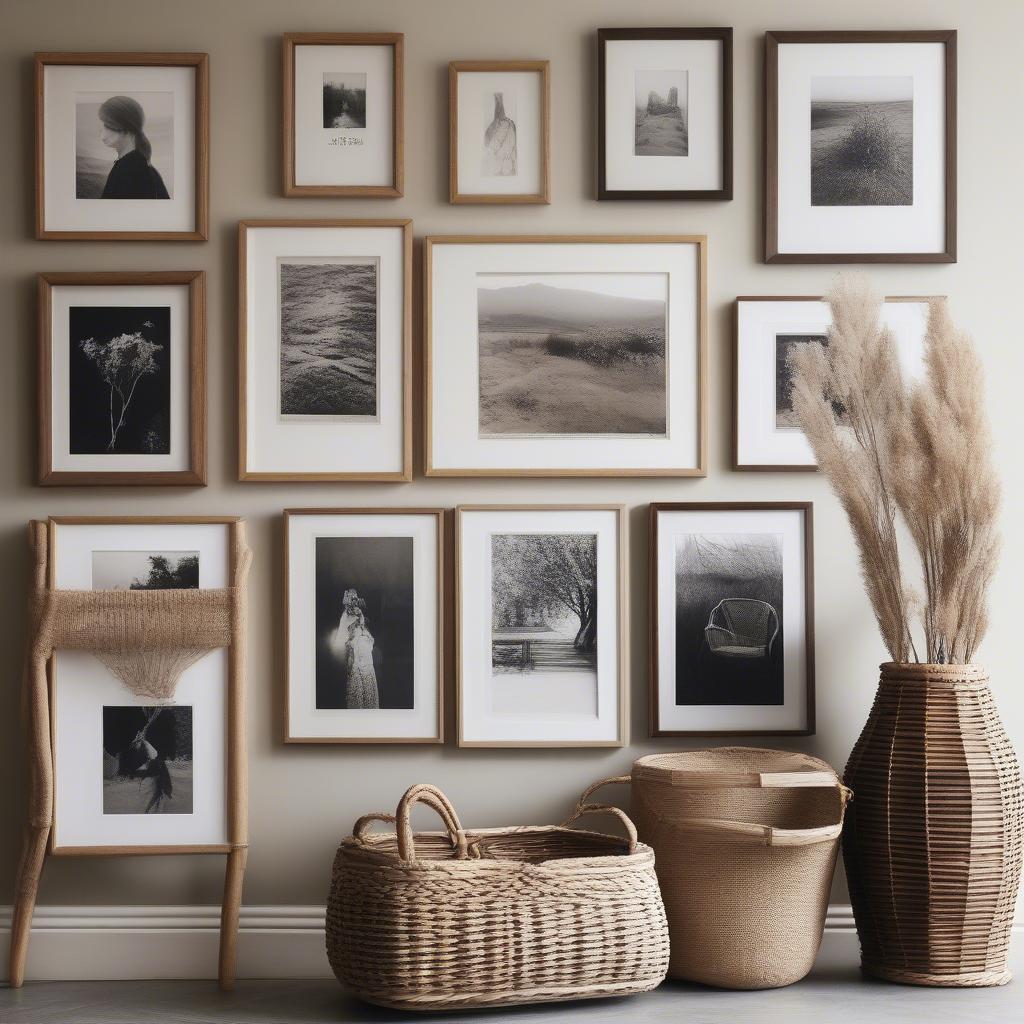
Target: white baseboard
x=136 y=943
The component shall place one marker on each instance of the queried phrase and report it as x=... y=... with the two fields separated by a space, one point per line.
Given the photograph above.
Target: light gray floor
x=823 y=998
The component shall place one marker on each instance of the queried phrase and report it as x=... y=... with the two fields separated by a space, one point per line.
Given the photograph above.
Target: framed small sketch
x=732 y=619
x=343 y=103
x=540 y=625
x=860 y=147
x=122 y=146
x=364 y=625
x=324 y=350
x=500 y=132
x=664 y=113
x=549 y=355
x=122 y=378
x=767 y=330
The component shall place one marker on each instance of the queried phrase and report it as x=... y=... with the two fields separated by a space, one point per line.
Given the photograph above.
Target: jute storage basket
x=461 y=919
x=746 y=842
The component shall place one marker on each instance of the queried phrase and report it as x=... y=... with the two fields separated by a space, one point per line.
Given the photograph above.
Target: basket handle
x=435 y=799
x=359 y=829
x=614 y=780
x=619 y=813
x=740 y=830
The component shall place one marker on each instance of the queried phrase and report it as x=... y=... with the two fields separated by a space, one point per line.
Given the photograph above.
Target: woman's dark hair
x=123 y=114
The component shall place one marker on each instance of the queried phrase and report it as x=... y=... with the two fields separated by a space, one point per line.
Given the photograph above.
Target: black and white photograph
x=145 y=570
x=344 y=99
x=661 y=113
x=329 y=337
x=571 y=354
x=499 y=154
x=785 y=346
x=147 y=759
x=862 y=140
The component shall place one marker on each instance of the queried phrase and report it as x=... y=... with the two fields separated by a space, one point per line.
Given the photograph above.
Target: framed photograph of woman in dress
x=122 y=146
x=364 y=625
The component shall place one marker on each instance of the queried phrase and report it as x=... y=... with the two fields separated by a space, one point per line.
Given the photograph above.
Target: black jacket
x=132 y=178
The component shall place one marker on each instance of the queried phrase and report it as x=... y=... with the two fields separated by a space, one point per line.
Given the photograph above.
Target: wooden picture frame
x=806 y=576
x=200 y=63
x=542 y=194
x=945 y=251
x=195 y=378
x=292 y=187
x=439 y=515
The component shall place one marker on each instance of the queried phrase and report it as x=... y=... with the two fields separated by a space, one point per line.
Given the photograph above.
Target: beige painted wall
x=304 y=799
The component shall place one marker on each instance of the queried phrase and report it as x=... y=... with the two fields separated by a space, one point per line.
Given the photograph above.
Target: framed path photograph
x=364 y=625
x=122 y=146
x=860 y=151
x=566 y=355
x=732 y=619
x=540 y=625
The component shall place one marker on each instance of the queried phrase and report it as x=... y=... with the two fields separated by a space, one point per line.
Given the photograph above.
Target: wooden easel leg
x=30 y=868
x=230 y=909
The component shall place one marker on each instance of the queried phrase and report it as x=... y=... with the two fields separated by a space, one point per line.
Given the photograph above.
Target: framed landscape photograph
x=566 y=355
x=364 y=625
x=664 y=113
x=732 y=619
x=122 y=146
x=500 y=131
x=540 y=625
x=325 y=350
x=767 y=330
x=860 y=151
x=122 y=378
x=343 y=104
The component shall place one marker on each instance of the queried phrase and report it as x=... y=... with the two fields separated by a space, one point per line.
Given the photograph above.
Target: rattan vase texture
x=933 y=841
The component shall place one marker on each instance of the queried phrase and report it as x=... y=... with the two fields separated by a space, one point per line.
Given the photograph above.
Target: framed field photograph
x=732 y=619
x=540 y=625
x=325 y=352
x=364 y=625
x=860 y=151
x=343 y=102
x=664 y=113
x=122 y=378
x=767 y=330
x=122 y=146
x=566 y=355
x=500 y=131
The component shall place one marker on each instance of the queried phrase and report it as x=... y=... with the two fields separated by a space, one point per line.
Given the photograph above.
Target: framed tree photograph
x=664 y=113
x=122 y=146
x=122 y=378
x=860 y=154
x=540 y=625
x=732 y=619
x=325 y=354
x=768 y=329
x=364 y=625
x=550 y=355
x=343 y=109
x=500 y=131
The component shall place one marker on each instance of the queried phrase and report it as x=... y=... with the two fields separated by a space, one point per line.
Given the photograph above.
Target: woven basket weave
x=933 y=844
x=461 y=919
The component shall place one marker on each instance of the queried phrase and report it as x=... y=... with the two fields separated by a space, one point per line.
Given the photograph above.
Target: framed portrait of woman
x=122 y=146
x=364 y=625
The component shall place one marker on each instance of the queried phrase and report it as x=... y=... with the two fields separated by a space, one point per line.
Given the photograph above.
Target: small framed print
x=325 y=350
x=343 y=108
x=732 y=619
x=767 y=330
x=664 y=113
x=122 y=146
x=364 y=625
x=860 y=154
x=500 y=131
x=540 y=625
x=122 y=378
x=566 y=355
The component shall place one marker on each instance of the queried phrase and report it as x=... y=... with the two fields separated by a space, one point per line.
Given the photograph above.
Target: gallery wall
x=303 y=799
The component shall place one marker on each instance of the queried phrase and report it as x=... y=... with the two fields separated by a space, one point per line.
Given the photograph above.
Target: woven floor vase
x=933 y=840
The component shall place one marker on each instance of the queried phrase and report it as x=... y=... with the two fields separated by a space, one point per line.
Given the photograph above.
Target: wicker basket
x=746 y=843
x=461 y=919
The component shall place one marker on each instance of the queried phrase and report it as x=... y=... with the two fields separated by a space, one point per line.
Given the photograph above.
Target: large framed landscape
x=566 y=355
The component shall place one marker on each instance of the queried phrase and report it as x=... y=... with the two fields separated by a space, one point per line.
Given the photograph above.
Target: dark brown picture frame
x=201 y=63
x=772 y=41
x=195 y=475
x=724 y=36
x=807 y=508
